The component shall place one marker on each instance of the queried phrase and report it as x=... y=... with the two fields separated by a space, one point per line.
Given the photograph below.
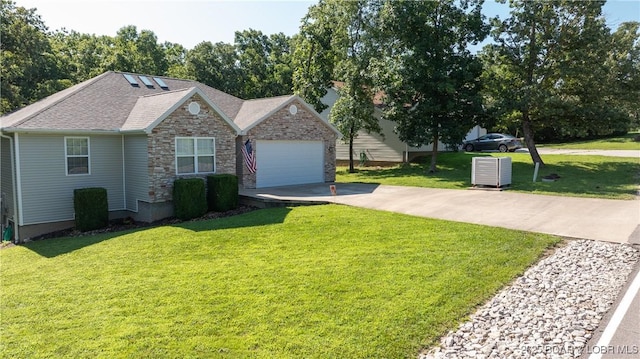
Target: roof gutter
x=14 y=190
x=59 y=132
x=134 y=132
x=83 y=132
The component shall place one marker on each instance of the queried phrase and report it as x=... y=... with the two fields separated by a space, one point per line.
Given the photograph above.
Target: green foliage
x=216 y=66
x=222 y=192
x=189 y=198
x=304 y=282
x=264 y=62
x=136 y=52
x=313 y=56
x=624 y=65
x=30 y=70
x=255 y=66
x=91 y=208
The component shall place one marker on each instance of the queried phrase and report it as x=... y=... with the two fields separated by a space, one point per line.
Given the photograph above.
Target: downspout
x=14 y=190
x=406 y=153
x=124 y=176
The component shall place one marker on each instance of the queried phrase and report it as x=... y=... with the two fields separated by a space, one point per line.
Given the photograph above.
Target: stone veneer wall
x=282 y=125
x=161 y=146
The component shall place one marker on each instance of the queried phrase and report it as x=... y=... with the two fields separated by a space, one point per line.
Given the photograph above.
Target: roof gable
x=151 y=110
x=255 y=112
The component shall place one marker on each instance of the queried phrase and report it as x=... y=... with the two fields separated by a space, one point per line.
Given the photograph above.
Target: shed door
x=281 y=163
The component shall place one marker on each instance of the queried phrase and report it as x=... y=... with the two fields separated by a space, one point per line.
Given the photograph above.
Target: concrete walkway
x=567 y=151
x=588 y=218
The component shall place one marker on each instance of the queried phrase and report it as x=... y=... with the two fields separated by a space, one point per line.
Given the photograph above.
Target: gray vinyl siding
x=47 y=191
x=378 y=148
x=6 y=178
x=136 y=170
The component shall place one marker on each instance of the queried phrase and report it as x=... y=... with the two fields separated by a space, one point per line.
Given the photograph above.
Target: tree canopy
x=553 y=71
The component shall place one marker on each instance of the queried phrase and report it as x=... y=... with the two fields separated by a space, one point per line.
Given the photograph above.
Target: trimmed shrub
x=91 y=207
x=222 y=192
x=189 y=199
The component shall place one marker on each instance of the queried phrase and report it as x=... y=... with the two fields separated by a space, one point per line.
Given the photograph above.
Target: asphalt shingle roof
x=150 y=107
x=107 y=103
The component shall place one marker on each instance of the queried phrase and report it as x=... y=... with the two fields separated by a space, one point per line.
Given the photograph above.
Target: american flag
x=249 y=156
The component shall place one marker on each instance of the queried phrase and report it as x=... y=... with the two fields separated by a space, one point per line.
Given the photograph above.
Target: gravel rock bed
x=550 y=311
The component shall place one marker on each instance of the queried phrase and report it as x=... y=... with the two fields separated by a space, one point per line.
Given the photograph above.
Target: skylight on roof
x=146 y=81
x=131 y=79
x=161 y=83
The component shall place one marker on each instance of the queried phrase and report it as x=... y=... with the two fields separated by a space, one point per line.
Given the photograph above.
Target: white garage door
x=283 y=163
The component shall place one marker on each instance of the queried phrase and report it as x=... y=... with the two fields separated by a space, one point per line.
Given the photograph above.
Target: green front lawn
x=626 y=142
x=305 y=282
x=583 y=176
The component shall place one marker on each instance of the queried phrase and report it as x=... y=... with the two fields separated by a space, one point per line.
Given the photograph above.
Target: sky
x=190 y=22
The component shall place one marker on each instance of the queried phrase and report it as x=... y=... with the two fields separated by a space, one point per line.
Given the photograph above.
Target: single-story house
x=134 y=135
x=386 y=148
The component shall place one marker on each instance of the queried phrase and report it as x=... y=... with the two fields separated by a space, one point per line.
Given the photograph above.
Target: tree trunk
x=351 y=167
x=526 y=120
x=434 y=154
x=528 y=139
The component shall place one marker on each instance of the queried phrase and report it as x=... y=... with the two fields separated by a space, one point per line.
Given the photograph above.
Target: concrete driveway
x=588 y=218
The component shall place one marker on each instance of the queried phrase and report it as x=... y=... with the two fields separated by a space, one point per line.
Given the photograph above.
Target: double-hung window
x=195 y=155
x=76 y=151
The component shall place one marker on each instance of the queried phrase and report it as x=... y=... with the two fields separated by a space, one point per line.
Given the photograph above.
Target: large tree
x=432 y=85
x=338 y=40
x=548 y=69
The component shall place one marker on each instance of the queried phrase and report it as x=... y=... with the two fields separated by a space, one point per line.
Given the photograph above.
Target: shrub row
x=191 y=199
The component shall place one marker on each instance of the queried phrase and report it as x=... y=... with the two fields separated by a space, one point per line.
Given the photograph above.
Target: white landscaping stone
x=554 y=306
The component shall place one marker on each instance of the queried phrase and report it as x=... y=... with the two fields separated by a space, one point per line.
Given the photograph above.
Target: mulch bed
x=128 y=223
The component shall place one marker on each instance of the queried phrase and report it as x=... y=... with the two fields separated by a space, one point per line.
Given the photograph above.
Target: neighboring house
x=386 y=148
x=134 y=135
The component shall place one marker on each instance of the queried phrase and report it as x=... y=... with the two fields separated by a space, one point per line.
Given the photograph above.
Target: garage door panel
x=283 y=163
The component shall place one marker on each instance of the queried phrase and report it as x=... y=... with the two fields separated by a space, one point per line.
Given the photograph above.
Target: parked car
x=493 y=141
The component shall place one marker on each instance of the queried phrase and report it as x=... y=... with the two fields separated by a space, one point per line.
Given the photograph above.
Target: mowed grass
x=625 y=142
x=304 y=282
x=581 y=176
